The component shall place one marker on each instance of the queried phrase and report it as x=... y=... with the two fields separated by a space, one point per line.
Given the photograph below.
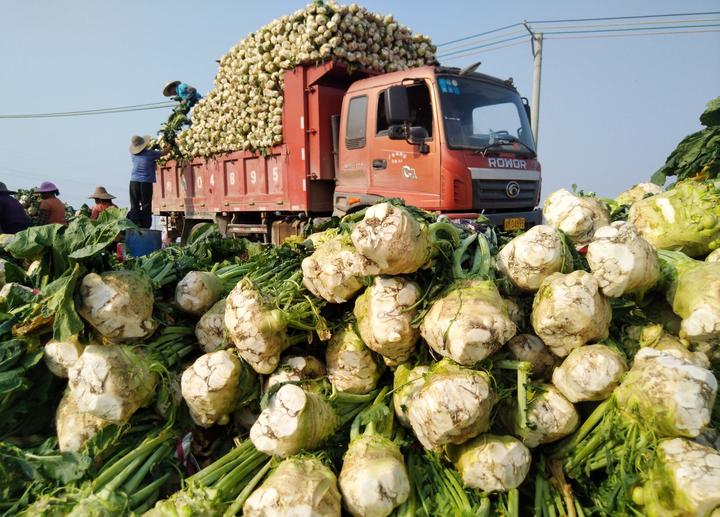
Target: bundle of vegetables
x=269 y=309
x=30 y=202
x=697 y=156
x=577 y=215
x=244 y=110
x=529 y=375
x=685 y=218
x=662 y=396
x=373 y=479
x=302 y=485
x=219 y=489
x=112 y=382
x=302 y=416
x=693 y=291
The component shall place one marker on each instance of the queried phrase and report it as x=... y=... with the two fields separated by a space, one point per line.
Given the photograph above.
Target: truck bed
x=297 y=175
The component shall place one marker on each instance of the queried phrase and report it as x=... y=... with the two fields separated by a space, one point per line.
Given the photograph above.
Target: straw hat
x=139 y=143
x=170 y=88
x=46 y=186
x=4 y=189
x=101 y=193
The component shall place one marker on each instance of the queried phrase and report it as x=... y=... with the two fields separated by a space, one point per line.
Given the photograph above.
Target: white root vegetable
x=579 y=217
x=654 y=336
x=694 y=294
x=296 y=368
x=373 y=479
x=526 y=347
x=210 y=329
x=714 y=256
x=492 y=463
x=589 y=373
x=550 y=417
x=452 y=406
x=75 y=428
x=393 y=239
x=638 y=192
x=621 y=261
x=469 y=323
x=685 y=480
x=384 y=318
x=211 y=387
x=300 y=486
x=118 y=304
x=406 y=383
x=670 y=391
x=335 y=270
x=259 y=333
x=197 y=292
x=569 y=311
x=111 y=382
x=351 y=366
x=61 y=355
x=292 y=421
x=533 y=256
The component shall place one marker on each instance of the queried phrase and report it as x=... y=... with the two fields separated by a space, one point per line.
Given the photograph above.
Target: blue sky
x=611 y=109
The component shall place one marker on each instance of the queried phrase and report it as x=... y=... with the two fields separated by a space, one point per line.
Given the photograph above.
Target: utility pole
x=536 y=46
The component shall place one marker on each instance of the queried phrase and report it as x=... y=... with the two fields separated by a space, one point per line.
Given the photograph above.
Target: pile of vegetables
x=244 y=110
x=395 y=363
x=567 y=370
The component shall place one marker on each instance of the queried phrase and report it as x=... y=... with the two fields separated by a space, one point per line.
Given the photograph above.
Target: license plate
x=512 y=224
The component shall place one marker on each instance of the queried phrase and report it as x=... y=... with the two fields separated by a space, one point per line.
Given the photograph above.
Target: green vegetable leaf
x=30 y=244
x=59 y=304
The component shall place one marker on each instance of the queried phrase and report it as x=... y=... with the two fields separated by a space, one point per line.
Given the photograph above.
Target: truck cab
x=441 y=139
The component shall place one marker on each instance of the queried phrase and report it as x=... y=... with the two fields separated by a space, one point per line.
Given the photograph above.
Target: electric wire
x=98 y=111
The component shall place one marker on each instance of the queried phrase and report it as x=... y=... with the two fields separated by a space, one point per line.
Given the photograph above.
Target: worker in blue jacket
x=186 y=97
x=182 y=92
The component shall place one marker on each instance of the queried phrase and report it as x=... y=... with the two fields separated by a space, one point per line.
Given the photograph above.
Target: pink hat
x=46 y=186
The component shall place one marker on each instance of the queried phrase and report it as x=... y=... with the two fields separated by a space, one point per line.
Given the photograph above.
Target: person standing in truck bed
x=142 y=177
x=52 y=210
x=13 y=217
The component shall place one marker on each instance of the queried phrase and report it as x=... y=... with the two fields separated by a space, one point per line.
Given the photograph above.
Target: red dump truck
x=443 y=139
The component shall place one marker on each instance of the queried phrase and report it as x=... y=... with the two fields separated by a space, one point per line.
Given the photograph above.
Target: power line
x=522 y=36
x=479 y=34
x=599 y=36
x=631 y=29
x=618 y=24
x=571 y=20
x=99 y=111
x=609 y=18
x=589 y=36
x=475 y=52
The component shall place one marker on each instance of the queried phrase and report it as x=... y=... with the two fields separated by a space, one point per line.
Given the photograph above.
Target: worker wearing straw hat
x=51 y=210
x=103 y=201
x=13 y=217
x=144 y=161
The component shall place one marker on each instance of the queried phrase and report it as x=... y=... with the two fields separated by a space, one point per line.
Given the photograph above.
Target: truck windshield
x=478 y=114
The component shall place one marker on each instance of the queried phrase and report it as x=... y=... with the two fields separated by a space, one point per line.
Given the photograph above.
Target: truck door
x=398 y=168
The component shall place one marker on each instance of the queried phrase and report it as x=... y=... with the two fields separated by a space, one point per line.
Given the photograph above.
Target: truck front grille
x=504 y=189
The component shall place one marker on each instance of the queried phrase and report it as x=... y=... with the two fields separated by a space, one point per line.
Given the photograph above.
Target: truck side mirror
x=418 y=135
x=397 y=108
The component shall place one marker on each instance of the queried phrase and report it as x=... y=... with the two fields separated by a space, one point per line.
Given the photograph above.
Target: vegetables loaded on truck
x=339 y=136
